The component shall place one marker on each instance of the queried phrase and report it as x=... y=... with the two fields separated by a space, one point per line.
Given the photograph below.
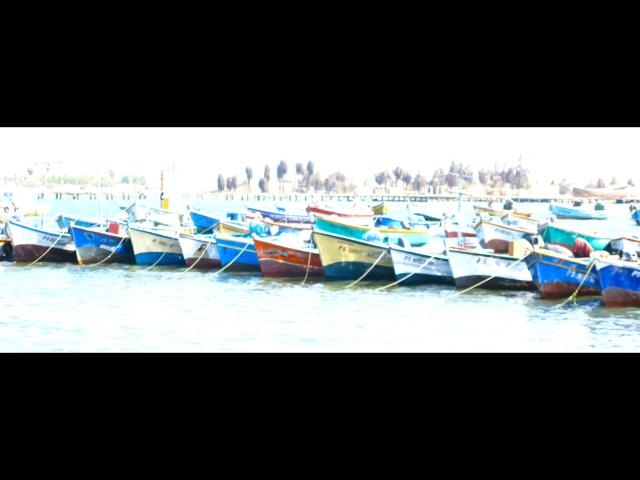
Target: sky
x=200 y=154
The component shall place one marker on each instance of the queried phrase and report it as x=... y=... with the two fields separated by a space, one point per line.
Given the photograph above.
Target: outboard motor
x=508 y=205
x=629 y=256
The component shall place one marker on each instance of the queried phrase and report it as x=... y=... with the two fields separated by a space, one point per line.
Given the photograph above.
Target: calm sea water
x=118 y=308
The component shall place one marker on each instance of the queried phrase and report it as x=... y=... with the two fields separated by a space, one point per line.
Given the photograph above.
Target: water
x=119 y=308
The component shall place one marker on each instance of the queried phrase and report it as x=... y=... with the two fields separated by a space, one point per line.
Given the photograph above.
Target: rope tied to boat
x=204 y=250
x=422 y=265
x=232 y=261
x=482 y=282
x=161 y=256
x=306 y=274
x=47 y=250
x=108 y=256
x=575 y=293
x=368 y=270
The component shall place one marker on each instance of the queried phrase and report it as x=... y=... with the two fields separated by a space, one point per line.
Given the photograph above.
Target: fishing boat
x=563 y=211
x=207 y=223
x=234 y=227
x=622 y=245
x=156 y=246
x=380 y=208
x=283 y=227
x=427 y=214
x=199 y=251
x=558 y=276
x=356 y=211
x=518 y=221
x=567 y=238
x=351 y=230
x=158 y=216
x=237 y=250
x=288 y=256
x=64 y=222
x=95 y=245
x=30 y=244
x=408 y=260
x=499 y=237
x=345 y=258
x=470 y=266
x=636 y=216
x=281 y=215
x=619 y=282
x=497 y=212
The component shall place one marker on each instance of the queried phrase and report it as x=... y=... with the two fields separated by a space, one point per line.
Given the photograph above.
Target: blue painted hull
x=152 y=257
x=94 y=247
x=203 y=223
x=354 y=270
x=636 y=216
x=64 y=222
x=282 y=216
x=228 y=250
x=576 y=214
x=559 y=277
x=620 y=285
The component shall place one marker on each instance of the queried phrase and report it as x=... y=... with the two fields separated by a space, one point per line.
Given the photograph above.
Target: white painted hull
x=24 y=235
x=470 y=267
x=203 y=250
x=435 y=270
x=519 y=222
x=498 y=237
x=145 y=242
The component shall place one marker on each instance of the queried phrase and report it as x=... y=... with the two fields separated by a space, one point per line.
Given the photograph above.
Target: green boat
x=415 y=237
x=567 y=238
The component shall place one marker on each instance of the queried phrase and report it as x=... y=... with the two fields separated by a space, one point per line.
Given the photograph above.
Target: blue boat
x=636 y=216
x=206 y=223
x=558 y=276
x=65 y=221
x=231 y=245
x=619 y=282
x=561 y=211
x=94 y=245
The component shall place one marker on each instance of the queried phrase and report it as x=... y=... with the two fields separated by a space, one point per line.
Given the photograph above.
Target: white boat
x=498 y=237
x=30 y=243
x=159 y=216
x=472 y=266
x=200 y=250
x=521 y=222
x=408 y=260
x=156 y=246
x=625 y=244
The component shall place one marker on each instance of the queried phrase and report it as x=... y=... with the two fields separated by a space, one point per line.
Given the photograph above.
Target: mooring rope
x=161 y=256
x=231 y=262
x=108 y=256
x=424 y=264
x=199 y=258
x=368 y=270
x=575 y=293
x=456 y=294
x=306 y=274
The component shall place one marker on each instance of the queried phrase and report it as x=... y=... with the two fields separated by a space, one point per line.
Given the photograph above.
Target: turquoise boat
x=567 y=238
x=416 y=238
x=561 y=211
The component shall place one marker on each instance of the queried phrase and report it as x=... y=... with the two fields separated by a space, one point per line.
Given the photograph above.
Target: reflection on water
x=53 y=307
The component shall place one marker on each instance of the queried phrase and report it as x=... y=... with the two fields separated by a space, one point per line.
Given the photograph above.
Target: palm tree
x=281 y=172
x=220 y=183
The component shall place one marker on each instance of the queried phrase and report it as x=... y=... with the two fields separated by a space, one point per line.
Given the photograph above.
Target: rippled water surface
x=119 y=308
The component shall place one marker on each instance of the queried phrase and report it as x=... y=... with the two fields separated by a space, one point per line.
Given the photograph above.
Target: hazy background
x=200 y=154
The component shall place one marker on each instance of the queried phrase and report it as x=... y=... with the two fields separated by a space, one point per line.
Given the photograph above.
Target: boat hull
x=619 y=283
x=94 y=246
x=29 y=244
x=203 y=223
x=281 y=216
x=281 y=260
x=405 y=263
x=470 y=268
x=152 y=247
x=358 y=232
x=558 y=277
x=498 y=237
x=567 y=238
x=230 y=246
x=348 y=259
x=200 y=253
x=576 y=214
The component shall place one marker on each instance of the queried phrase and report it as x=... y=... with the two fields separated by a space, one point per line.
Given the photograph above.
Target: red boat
x=356 y=211
x=282 y=257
